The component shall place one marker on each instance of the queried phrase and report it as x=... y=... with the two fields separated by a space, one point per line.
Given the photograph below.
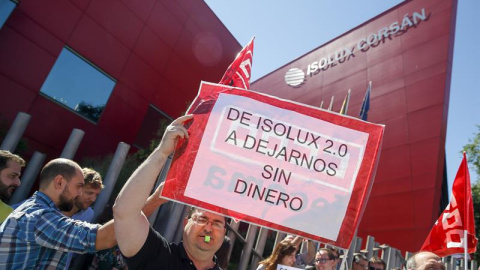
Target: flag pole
x=465 y=245
x=331 y=103
x=465 y=211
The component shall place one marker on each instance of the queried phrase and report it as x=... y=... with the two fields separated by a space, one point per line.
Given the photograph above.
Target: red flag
x=447 y=235
x=239 y=71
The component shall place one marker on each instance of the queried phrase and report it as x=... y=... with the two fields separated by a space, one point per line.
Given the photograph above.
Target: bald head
x=425 y=260
x=60 y=166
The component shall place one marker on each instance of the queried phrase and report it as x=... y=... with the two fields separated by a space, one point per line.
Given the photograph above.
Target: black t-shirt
x=156 y=253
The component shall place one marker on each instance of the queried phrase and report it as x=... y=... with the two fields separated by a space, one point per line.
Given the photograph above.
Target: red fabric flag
x=239 y=71
x=447 y=235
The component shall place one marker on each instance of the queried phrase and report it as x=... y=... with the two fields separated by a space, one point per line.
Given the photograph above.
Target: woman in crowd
x=284 y=253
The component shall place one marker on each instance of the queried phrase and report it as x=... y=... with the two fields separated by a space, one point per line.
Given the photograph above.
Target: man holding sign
x=144 y=247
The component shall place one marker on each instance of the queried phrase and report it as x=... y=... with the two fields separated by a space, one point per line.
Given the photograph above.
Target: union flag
x=447 y=236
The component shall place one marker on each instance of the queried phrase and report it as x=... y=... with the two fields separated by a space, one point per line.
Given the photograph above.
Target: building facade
x=110 y=68
x=115 y=68
x=406 y=53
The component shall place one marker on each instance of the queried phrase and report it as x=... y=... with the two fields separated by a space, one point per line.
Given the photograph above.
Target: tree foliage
x=473 y=153
x=473 y=156
x=90 y=111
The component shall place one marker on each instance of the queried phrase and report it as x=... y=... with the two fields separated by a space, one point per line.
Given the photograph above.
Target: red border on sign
x=186 y=151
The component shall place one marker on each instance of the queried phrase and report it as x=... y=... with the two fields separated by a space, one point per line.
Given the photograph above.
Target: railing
x=168 y=218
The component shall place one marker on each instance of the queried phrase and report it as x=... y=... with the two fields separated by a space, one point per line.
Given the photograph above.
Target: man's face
x=361 y=265
x=9 y=180
x=200 y=225
x=375 y=266
x=428 y=261
x=72 y=190
x=323 y=262
x=88 y=197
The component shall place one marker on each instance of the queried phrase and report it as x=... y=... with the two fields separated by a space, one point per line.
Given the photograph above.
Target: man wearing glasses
x=325 y=260
x=144 y=247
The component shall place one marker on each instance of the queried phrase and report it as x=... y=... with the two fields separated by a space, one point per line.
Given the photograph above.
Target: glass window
x=153 y=126
x=79 y=85
x=6 y=8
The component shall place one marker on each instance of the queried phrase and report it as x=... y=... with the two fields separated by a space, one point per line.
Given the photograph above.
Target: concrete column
x=28 y=177
x=247 y=248
x=15 y=132
x=111 y=178
x=72 y=144
x=259 y=246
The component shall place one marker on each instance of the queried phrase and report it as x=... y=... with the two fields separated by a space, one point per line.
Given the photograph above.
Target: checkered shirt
x=38 y=236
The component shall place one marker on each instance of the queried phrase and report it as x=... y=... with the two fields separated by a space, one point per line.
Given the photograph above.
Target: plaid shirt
x=38 y=236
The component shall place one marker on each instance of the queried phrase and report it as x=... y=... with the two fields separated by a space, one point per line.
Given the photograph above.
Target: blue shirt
x=37 y=235
x=82 y=215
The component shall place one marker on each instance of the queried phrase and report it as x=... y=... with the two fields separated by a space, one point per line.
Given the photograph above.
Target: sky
x=285 y=30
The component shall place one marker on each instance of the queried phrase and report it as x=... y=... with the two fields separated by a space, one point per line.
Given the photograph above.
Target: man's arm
x=105 y=236
x=131 y=225
x=310 y=251
x=106 y=233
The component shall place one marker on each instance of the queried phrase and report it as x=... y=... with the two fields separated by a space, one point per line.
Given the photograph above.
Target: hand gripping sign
x=276 y=163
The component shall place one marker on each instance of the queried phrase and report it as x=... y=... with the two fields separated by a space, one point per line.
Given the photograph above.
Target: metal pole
x=388 y=257
x=177 y=237
x=15 y=132
x=110 y=179
x=369 y=247
x=473 y=265
x=280 y=236
x=176 y=215
x=72 y=144
x=354 y=248
x=259 y=246
x=231 y=234
x=28 y=178
x=247 y=248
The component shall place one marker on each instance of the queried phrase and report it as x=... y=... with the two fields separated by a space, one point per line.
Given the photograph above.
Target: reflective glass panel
x=78 y=85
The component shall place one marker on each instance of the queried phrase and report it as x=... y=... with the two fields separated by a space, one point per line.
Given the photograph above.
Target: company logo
x=295 y=77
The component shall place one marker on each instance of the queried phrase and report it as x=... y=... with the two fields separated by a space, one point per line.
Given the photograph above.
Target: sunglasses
x=373 y=268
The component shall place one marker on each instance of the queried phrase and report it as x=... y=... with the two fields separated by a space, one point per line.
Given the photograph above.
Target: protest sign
x=275 y=163
x=284 y=267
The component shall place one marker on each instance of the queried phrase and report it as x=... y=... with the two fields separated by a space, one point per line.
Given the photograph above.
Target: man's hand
x=174 y=131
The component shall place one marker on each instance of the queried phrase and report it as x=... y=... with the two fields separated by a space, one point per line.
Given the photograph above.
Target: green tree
x=473 y=157
x=90 y=111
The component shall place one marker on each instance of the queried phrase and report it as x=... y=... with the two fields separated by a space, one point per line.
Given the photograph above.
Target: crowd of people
x=49 y=228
